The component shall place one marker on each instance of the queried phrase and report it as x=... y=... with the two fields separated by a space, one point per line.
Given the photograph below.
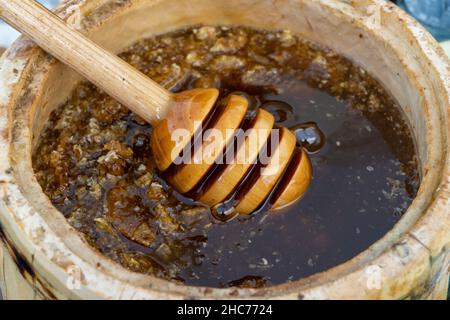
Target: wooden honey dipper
x=283 y=179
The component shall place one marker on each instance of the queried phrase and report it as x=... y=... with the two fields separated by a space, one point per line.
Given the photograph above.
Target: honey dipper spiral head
x=215 y=152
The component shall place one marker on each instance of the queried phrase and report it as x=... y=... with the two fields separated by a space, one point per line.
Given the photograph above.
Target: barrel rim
x=20 y=219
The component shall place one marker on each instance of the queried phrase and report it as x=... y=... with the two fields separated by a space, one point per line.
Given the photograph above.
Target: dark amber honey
x=95 y=164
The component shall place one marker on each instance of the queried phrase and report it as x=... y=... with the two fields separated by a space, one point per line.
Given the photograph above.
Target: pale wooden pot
x=41 y=256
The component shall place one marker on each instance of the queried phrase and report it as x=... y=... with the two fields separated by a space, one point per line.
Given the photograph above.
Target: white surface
x=8 y=34
x=446 y=46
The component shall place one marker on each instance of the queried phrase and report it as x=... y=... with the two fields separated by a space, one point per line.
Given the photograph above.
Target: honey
x=95 y=164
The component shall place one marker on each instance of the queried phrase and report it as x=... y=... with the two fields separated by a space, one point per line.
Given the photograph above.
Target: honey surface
x=95 y=164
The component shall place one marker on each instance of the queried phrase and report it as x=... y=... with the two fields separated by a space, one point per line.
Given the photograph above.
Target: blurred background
x=8 y=34
x=433 y=14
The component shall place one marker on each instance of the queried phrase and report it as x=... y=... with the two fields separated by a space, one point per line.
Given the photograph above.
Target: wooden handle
x=120 y=80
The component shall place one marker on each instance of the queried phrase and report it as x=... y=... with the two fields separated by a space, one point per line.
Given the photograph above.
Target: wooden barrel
x=42 y=257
